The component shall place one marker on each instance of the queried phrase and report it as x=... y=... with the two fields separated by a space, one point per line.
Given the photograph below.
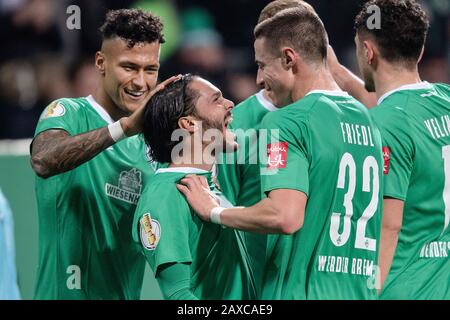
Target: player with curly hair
x=413 y=117
x=91 y=165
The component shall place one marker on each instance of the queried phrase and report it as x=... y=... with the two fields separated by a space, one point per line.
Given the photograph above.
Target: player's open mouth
x=227 y=122
x=135 y=94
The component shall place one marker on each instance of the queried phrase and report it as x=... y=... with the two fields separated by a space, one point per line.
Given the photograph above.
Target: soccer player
x=414 y=120
x=323 y=174
x=191 y=259
x=89 y=179
x=239 y=174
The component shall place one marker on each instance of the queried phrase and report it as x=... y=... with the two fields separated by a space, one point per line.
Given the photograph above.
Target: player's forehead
x=204 y=88
x=142 y=52
x=262 y=52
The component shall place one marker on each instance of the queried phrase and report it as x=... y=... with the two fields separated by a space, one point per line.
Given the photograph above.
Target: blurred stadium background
x=42 y=60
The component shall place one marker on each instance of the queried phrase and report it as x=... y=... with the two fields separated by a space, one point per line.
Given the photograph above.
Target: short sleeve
x=398 y=152
x=286 y=165
x=161 y=226
x=60 y=114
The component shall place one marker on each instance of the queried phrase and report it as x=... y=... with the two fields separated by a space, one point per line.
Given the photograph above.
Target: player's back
x=334 y=156
x=415 y=126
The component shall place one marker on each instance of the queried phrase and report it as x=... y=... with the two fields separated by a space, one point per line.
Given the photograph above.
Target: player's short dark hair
x=404 y=26
x=299 y=28
x=272 y=8
x=133 y=26
x=162 y=113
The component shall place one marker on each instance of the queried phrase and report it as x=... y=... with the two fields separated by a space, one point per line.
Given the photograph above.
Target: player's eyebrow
x=216 y=95
x=137 y=66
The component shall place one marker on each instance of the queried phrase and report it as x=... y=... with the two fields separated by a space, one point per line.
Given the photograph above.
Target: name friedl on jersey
x=357 y=134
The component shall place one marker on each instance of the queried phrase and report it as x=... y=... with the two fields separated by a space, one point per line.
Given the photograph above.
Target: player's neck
x=390 y=78
x=106 y=102
x=313 y=79
x=193 y=156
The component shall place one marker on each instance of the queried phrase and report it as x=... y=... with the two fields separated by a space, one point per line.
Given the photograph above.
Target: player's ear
x=288 y=58
x=421 y=54
x=100 y=62
x=369 y=52
x=188 y=123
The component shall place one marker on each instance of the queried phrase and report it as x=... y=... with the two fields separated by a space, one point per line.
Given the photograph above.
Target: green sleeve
x=398 y=152
x=170 y=216
x=60 y=114
x=287 y=164
x=174 y=280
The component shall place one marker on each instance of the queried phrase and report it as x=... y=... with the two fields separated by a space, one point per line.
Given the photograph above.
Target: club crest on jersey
x=150 y=231
x=387 y=159
x=277 y=155
x=55 y=109
x=128 y=188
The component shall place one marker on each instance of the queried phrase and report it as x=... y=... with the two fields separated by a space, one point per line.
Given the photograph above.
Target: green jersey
x=239 y=173
x=170 y=232
x=86 y=250
x=414 y=121
x=326 y=146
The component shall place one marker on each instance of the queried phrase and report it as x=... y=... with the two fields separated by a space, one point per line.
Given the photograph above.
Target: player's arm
x=174 y=280
x=55 y=151
x=281 y=212
x=349 y=82
x=390 y=229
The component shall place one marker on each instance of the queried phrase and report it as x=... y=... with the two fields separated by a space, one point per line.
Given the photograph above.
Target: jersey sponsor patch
x=128 y=188
x=387 y=159
x=55 y=109
x=277 y=155
x=150 y=232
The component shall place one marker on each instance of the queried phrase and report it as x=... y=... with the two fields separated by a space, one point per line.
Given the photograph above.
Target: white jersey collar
x=264 y=102
x=338 y=93
x=181 y=170
x=414 y=86
x=100 y=110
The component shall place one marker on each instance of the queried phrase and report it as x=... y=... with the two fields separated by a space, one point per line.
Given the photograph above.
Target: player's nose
x=260 y=80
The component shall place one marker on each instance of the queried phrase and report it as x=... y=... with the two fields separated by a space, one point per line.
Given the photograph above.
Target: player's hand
x=134 y=123
x=196 y=190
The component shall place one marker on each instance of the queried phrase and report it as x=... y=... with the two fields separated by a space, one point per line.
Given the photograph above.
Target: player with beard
x=414 y=120
x=322 y=176
x=186 y=126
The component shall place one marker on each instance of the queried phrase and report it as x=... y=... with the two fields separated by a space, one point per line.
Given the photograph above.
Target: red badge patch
x=277 y=155
x=387 y=158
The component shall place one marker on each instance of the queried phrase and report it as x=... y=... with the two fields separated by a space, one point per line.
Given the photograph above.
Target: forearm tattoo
x=55 y=151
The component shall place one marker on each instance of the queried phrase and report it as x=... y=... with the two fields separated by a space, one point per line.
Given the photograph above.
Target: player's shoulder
x=63 y=106
x=161 y=192
x=442 y=88
x=249 y=112
x=244 y=106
